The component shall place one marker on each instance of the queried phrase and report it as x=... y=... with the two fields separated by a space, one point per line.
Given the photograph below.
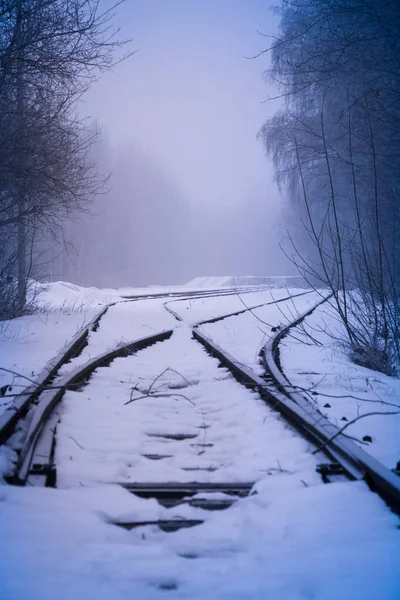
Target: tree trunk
x=21 y=237
x=21 y=258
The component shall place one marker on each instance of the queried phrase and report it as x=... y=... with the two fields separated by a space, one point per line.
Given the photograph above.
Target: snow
x=62 y=293
x=28 y=343
x=342 y=390
x=209 y=282
x=293 y=538
x=244 y=335
x=287 y=541
x=99 y=439
x=124 y=322
x=196 y=310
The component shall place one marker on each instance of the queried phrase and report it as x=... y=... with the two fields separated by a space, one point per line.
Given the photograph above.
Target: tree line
x=335 y=144
x=50 y=53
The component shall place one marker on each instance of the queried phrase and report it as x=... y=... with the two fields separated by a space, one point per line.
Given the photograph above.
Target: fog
x=191 y=192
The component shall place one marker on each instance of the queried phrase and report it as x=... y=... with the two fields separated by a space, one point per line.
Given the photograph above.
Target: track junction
x=174 y=418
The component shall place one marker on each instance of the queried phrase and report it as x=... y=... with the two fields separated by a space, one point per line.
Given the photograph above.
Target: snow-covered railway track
x=297 y=408
x=74 y=352
x=171 y=423
x=180 y=470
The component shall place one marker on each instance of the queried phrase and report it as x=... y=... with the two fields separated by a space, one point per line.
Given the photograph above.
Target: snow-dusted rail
x=289 y=409
x=10 y=417
x=295 y=406
x=197 y=293
x=237 y=312
x=35 y=458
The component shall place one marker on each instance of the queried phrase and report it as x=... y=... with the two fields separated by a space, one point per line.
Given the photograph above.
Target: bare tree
x=336 y=140
x=50 y=53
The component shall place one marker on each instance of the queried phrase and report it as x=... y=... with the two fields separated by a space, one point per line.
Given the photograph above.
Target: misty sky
x=190 y=98
x=187 y=106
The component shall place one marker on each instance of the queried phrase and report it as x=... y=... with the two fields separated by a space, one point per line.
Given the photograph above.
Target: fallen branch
x=371 y=414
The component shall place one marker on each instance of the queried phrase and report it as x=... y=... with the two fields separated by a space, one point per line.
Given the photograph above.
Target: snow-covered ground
x=244 y=335
x=294 y=538
x=28 y=343
x=314 y=360
x=287 y=542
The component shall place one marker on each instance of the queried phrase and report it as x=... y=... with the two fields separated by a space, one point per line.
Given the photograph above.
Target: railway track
x=182 y=426
x=298 y=409
x=12 y=417
x=17 y=411
x=36 y=456
x=186 y=423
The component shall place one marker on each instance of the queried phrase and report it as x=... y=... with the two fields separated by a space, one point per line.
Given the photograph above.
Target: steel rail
x=35 y=459
x=274 y=398
x=232 y=314
x=274 y=367
x=12 y=415
x=380 y=479
x=51 y=397
x=197 y=293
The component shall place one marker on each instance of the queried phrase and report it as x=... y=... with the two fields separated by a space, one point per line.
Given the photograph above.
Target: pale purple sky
x=189 y=97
